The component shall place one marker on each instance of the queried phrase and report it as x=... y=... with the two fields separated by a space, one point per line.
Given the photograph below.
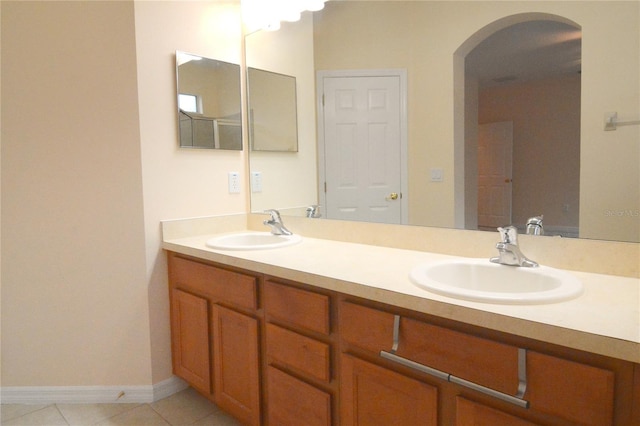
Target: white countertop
x=605 y=319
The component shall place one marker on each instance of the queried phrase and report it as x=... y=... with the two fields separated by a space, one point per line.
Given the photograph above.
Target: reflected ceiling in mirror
x=429 y=40
x=209 y=103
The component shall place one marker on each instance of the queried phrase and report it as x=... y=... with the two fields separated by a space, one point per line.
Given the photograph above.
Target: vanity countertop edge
x=600 y=321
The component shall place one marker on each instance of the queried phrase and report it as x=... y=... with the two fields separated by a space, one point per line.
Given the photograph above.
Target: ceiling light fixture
x=267 y=14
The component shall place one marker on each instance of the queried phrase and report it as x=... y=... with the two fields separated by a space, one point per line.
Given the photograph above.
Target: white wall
x=179 y=182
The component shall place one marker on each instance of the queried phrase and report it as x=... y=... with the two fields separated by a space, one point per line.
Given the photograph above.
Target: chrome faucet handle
x=508 y=251
x=313 y=211
x=275 y=223
x=534 y=225
x=275 y=215
x=509 y=234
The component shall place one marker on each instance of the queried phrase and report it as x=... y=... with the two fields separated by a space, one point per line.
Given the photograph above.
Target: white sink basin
x=252 y=241
x=482 y=281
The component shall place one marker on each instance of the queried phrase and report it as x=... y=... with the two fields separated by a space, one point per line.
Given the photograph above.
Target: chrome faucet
x=534 y=225
x=275 y=222
x=508 y=251
x=313 y=211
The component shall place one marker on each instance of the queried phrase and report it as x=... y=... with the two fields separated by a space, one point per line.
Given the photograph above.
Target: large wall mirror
x=564 y=165
x=209 y=103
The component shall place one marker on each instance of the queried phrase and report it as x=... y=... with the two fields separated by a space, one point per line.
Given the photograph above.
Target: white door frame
x=404 y=172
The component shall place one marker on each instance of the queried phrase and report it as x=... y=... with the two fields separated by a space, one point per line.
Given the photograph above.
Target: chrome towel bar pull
x=522 y=371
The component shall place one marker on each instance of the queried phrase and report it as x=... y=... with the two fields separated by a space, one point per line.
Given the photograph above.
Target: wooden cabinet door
x=373 y=395
x=236 y=364
x=469 y=413
x=190 y=339
x=293 y=402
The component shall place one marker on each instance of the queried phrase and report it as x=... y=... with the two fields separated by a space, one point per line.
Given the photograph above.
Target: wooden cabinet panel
x=190 y=339
x=469 y=413
x=236 y=364
x=299 y=352
x=478 y=360
x=372 y=395
x=482 y=361
x=293 y=402
x=366 y=328
x=297 y=307
x=576 y=392
x=220 y=284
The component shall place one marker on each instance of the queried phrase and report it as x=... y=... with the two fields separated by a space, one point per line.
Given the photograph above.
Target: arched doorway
x=527 y=48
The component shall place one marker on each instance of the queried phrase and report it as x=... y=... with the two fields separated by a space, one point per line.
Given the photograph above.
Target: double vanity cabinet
x=271 y=351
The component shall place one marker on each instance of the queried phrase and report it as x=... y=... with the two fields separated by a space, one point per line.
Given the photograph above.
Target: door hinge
x=325 y=187
x=323 y=100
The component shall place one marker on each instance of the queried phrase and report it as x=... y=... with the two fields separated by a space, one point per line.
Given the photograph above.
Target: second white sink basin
x=252 y=241
x=483 y=281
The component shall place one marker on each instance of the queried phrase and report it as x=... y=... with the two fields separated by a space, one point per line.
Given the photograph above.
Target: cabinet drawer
x=219 y=284
x=366 y=328
x=297 y=307
x=301 y=353
x=576 y=392
x=293 y=402
x=482 y=361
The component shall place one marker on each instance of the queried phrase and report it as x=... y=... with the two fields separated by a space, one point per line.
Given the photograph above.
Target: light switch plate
x=234 y=183
x=437 y=175
x=256 y=181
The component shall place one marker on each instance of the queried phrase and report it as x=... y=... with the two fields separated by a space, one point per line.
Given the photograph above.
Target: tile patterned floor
x=181 y=409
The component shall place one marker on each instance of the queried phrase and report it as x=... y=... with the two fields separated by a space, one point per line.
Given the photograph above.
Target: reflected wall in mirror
x=431 y=40
x=272 y=111
x=289 y=179
x=209 y=103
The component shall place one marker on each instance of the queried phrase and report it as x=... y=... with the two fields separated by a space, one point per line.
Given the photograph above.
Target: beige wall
x=546 y=146
x=423 y=36
x=90 y=165
x=74 y=289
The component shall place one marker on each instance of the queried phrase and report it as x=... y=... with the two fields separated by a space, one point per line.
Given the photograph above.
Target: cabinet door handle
x=522 y=375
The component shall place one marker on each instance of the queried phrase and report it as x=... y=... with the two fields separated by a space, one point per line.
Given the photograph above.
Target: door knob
x=392 y=196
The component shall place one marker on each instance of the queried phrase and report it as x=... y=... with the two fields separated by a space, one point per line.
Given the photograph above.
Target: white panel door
x=495 y=156
x=362 y=148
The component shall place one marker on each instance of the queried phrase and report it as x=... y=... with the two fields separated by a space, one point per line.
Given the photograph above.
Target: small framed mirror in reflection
x=209 y=103
x=273 y=124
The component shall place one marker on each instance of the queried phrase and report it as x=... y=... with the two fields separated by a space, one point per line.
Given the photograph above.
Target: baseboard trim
x=91 y=394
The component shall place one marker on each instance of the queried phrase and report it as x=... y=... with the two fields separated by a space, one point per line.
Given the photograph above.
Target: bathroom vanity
x=328 y=332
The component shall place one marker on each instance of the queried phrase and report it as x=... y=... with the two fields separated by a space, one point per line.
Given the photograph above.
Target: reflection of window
x=188 y=103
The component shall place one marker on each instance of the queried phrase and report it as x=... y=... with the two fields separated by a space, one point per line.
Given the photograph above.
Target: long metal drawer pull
x=522 y=371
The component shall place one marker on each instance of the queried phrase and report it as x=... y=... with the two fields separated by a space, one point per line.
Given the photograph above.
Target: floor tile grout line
x=26 y=414
x=62 y=414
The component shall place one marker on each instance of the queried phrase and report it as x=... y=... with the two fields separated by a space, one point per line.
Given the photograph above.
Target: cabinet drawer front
x=299 y=352
x=577 y=392
x=472 y=413
x=373 y=395
x=366 y=328
x=478 y=360
x=220 y=284
x=293 y=402
x=482 y=361
x=297 y=307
